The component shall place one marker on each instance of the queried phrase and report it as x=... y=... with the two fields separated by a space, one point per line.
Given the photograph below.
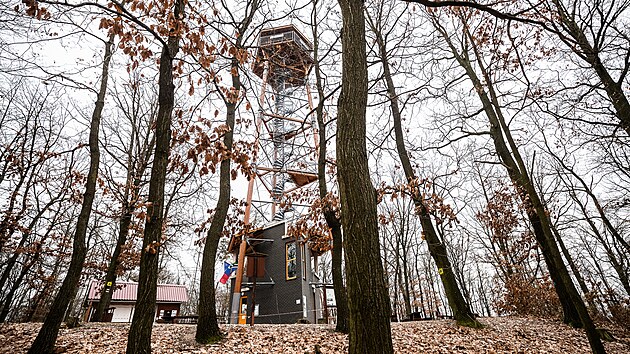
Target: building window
x=291 y=257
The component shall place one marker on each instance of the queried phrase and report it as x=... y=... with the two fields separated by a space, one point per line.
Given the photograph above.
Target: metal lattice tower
x=286 y=140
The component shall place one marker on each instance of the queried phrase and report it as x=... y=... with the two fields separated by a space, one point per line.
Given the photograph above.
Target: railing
x=180 y=319
x=284 y=37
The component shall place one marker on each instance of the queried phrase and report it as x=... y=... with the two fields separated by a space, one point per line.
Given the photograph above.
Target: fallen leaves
x=501 y=335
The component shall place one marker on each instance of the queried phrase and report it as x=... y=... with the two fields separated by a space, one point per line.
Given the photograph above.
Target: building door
x=109 y=313
x=122 y=313
x=242 y=311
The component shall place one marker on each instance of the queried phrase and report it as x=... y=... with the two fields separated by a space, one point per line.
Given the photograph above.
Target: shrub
x=526 y=296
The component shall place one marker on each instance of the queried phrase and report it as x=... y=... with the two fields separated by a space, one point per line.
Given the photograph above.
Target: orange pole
x=250 y=191
x=311 y=107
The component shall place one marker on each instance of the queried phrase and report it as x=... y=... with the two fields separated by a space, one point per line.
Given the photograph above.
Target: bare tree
x=45 y=341
x=208 y=328
x=332 y=220
x=574 y=309
x=461 y=310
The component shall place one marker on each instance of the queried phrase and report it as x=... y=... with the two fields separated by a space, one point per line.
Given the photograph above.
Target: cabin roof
x=127 y=291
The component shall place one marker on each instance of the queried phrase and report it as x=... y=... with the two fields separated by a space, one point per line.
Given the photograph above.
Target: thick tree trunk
x=461 y=310
x=139 y=339
x=47 y=336
x=368 y=300
x=208 y=330
x=208 y=326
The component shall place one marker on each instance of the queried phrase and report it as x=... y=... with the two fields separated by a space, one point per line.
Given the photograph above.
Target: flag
x=228 y=268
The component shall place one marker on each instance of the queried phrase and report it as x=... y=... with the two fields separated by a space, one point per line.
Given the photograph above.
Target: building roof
x=235 y=239
x=127 y=291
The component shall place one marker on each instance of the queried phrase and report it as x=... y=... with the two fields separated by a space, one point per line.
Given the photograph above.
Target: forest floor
x=501 y=335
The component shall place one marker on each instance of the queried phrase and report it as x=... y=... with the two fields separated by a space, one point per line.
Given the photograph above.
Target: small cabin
x=170 y=297
x=280 y=284
x=287 y=54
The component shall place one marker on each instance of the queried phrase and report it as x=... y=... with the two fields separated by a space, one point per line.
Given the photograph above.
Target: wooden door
x=242 y=311
x=109 y=313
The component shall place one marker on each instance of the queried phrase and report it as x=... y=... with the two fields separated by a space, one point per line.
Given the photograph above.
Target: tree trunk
x=368 y=301
x=139 y=339
x=333 y=222
x=109 y=284
x=47 y=336
x=341 y=297
x=208 y=326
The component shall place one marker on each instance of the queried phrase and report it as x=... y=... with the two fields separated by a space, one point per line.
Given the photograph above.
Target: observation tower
x=286 y=140
x=285 y=160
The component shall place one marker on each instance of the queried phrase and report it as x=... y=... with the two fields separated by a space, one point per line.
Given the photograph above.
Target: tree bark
x=139 y=339
x=208 y=330
x=47 y=336
x=368 y=301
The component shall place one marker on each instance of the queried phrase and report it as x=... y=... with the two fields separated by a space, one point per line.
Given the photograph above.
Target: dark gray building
x=279 y=284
